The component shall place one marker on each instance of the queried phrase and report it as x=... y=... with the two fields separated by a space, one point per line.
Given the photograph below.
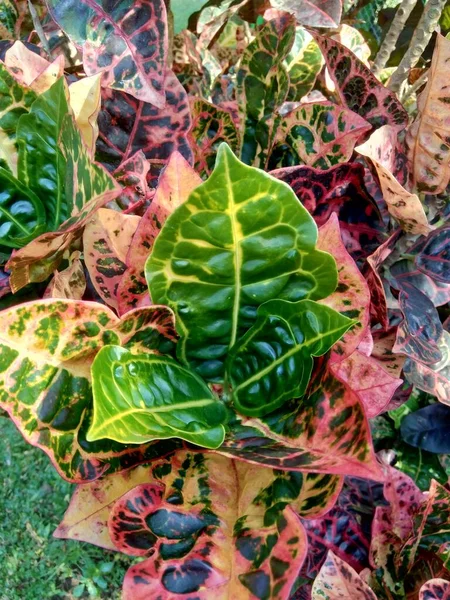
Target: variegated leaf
x=313 y=13
x=8 y=18
x=428 y=137
x=106 y=242
x=358 y=89
x=176 y=183
x=213 y=265
x=69 y=283
x=132 y=175
x=128 y=125
x=337 y=580
x=353 y=39
x=126 y=42
x=319 y=134
x=46 y=351
x=435 y=589
x=262 y=87
x=303 y=64
x=32 y=70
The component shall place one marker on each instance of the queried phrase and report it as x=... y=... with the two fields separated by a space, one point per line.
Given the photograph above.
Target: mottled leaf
x=319 y=134
x=46 y=351
x=303 y=64
x=434 y=256
x=435 y=589
x=353 y=39
x=106 y=242
x=177 y=181
x=213 y=263
x=126 y=42
x=337 y=580
x=68 y=283
x=210 y=127
x=428 y=428
x=32 y=70
x=273 y=361
x=358 y=89
x=428 y=137
x=128 y=125
x=313 y=13
x=262 y=86
x=132 y=175
x=339 y=190
x=138 y=399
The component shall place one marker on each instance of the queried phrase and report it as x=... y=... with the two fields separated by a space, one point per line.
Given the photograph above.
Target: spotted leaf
x=126 y=42
x=210 y=127
x=313 y=13
x=213 y=265
x=175 y=184
x=435 y=589
x=128 y=125
x=132 y=175
x=428 y=137
x=106 y=241
x=46 y=350
x=273 y=361
x=262 y=86
x=319 y=134
x=339 y=190
x=358 y=89
x=337 y=580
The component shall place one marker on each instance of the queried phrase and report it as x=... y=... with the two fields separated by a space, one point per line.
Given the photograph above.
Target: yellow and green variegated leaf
x=142 y=398
x=8 y=18
x=205 y=527
x=15 y=101
x=240 y=239
x=262 y=86
x=46 y=350
x=303 y=64
x=273 y=362
x=53 y=159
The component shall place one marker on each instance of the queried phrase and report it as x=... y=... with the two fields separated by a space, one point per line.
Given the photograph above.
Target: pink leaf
x=337 y=580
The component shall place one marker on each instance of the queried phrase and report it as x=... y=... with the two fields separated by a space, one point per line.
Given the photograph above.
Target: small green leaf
x=138 y=398
x=273 y=362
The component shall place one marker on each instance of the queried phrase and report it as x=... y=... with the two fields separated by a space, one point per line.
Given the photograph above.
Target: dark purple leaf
x=428 y=428
x=434 y=259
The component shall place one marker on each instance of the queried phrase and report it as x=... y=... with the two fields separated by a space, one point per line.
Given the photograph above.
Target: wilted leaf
x=273 y=361
x=213 y=265
x=69 y=283
x=337 y=580
x=303 y=64
x=126 y=42
x=435 y=589
x=128 y=125
x=319 y=134
x=85 y=102
x=175 y=184
x=262 y=87
x=106 y=242
x=434 y=256
x=31 y=69
x=428 y=428
x=358 y=89
x=313 y=13
x=339 y=190
x=210 y=127
x=46 y=351
x=428 y=137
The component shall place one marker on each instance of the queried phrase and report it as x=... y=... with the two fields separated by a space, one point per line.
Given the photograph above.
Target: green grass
x=33 y=564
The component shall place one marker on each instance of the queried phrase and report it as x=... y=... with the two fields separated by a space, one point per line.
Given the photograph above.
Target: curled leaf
x=85 y=102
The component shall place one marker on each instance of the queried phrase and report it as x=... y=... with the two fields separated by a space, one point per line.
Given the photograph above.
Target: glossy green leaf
x=240 y=239
x=53 y=160
x=273 y=362
x=22 y=215
x=138 y=398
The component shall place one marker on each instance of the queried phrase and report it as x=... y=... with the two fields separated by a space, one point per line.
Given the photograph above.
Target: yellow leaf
x=85 y=101
x=33 y=70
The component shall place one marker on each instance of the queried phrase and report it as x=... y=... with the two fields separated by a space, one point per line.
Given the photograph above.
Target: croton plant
x=225 y=284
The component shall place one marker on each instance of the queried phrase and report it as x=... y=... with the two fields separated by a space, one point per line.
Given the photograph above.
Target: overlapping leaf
x=127 y=42
x=46 y=351
x=273 y=361
x=31 y=69
x=174 y=186
x=358 y=89
x=435 y=589
x=303 y=64
x=338 y=580
x=319 y=134
x=313 y=13
x=214 y=265
x=262 y=86
x=128 y=125
x=132 y=175
x=68 y=283
x=428 y=137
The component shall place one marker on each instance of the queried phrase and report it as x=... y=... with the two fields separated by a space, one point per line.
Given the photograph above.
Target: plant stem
x=397 y=26
x=422 y=34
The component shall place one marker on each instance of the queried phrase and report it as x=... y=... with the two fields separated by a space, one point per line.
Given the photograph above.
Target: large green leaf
x=142 y=398
x=53 y=160
x=273 y=362
x=240 y=239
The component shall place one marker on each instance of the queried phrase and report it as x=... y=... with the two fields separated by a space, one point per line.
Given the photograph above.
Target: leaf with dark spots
x=435 y=589
x=337 y=580
x=106 y=241
x=339 y=190
x=358 y=88
x=127 y=42
x=127 y=125
x=132 y=176
x=177 y=181
x=319 y=134
x=46 y=350
x=434 y=256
